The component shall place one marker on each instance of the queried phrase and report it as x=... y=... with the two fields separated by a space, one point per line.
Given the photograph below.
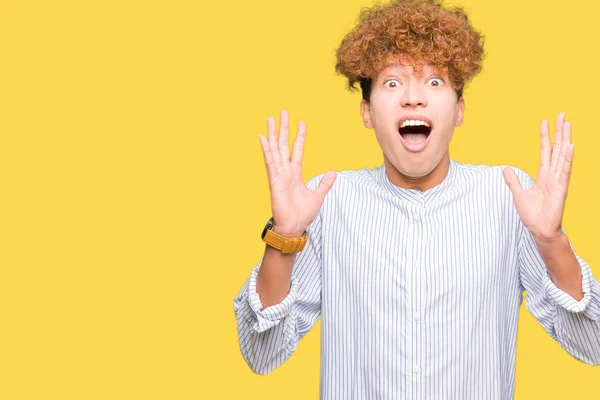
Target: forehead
x=411 y=69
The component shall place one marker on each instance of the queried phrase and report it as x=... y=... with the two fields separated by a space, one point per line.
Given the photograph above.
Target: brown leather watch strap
x=284 y=244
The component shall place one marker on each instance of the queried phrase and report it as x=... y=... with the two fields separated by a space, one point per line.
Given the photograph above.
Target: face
x=414 y=117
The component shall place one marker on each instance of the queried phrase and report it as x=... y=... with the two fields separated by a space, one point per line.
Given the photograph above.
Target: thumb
x=325 y=184
x=511 y=179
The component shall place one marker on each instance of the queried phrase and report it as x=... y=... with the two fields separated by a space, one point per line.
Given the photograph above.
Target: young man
x=417 y=268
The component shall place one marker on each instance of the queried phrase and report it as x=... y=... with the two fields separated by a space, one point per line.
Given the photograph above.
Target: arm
x=562 y=264
x=269 y=332
x=274 y=277
x=562 y=294
x=281 y=300
x=574 y=323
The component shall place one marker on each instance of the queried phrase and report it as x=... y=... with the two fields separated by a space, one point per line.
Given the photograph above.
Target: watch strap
x=284 y=244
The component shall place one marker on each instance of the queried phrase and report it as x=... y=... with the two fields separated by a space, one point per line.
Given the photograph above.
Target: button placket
x=417 y=285
x=417 y=326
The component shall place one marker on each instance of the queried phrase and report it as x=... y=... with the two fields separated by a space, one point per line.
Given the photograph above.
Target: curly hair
x=413 y=31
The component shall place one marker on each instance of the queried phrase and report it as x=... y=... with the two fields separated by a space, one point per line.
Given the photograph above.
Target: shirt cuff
x=272 y=315
x=564 y=299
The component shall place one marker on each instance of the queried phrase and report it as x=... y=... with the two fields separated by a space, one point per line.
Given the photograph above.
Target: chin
x=413 y=171
x=417 y=173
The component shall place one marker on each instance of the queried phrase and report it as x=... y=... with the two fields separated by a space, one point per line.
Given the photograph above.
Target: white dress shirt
x=418 y=291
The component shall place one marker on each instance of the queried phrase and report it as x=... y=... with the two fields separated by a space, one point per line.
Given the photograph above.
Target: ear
x=365 y=112
x=461 y=111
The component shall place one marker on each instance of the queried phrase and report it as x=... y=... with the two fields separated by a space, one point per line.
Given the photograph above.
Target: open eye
x=435 y=82
x=391 y=83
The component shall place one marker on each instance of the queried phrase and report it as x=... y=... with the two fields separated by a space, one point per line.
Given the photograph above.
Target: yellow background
x=133 y=188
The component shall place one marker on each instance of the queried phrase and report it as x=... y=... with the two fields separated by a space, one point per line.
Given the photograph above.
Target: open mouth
x=414 y=134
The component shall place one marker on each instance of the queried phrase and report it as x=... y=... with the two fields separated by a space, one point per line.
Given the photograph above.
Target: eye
x=435 y=82
x=391 y=83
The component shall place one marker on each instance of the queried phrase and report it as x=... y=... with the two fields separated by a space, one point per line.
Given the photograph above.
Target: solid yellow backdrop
x=133 y=188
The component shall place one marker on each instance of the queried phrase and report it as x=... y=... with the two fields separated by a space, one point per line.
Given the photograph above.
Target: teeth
x=414 y=122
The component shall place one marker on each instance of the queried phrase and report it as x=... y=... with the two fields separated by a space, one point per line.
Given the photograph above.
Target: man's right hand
x=293 y=205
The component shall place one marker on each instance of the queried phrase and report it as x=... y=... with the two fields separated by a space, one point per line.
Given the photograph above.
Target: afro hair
x=415 y=32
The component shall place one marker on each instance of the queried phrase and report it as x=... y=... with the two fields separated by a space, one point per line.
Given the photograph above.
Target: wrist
x=550 y=240
x=287 y=233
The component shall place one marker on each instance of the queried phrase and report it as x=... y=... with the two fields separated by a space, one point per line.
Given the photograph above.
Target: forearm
x=269 y=325
x=266 y=340
x=562 y=294
x=562 y=265
x=274 y=276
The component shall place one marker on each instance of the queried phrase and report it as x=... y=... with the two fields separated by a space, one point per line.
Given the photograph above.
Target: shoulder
x=490 y=175
x=349 y=178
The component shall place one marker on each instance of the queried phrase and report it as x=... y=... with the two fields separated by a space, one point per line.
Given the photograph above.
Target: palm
x=294 y=206
x=541 y=207
x=290 y=196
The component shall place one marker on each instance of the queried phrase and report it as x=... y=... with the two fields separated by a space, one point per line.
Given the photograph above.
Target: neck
x=432 y=179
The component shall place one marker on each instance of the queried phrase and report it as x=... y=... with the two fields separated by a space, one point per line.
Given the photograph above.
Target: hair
x=414 y=32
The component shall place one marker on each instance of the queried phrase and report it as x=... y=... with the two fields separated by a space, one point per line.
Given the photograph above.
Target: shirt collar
x=418 y=196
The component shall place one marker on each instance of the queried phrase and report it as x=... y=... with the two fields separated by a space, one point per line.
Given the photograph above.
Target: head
x=412 y=59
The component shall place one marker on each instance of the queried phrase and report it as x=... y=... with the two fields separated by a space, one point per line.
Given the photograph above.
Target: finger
x=284 y=127
x=565 y=175
x=325 y=184
x=563 y=147
x=511 y=179
x=298 y=149
x=273 y=141
x=268 y=157
x=545 y=146
x=560 y=120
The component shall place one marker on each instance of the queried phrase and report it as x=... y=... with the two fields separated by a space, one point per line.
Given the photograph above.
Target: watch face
x=267 y=227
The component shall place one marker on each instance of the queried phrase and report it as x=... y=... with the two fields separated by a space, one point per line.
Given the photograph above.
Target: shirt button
x=417 y=316
x=416 y=370
x=416 y=217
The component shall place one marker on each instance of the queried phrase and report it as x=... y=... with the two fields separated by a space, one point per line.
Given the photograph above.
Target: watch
x=284 y=244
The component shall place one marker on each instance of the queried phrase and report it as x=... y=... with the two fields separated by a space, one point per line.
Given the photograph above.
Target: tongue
x=414 y=138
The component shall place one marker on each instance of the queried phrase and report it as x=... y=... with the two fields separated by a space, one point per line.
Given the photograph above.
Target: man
x=417 y=268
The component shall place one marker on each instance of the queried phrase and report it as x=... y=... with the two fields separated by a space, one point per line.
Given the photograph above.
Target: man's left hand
x=542 y=206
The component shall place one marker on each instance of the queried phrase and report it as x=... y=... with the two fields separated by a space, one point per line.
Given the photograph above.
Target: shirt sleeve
x=575 y=325
x=268 y=337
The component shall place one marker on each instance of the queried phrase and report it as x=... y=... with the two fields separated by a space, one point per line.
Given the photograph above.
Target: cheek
x=448 y=114
x=375 y=117
x=383 y=114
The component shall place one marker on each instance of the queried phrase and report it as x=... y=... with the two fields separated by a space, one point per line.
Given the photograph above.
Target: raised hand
x=542 y=206
x=294 y=206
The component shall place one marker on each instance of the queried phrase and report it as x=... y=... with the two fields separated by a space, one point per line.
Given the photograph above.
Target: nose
x=414 y=95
